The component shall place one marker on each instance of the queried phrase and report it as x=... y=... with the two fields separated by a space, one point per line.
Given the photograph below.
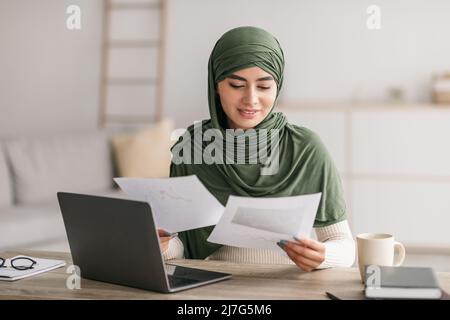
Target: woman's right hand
x=164 y=238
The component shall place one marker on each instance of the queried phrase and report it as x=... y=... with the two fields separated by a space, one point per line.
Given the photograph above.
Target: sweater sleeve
x=175 y=249
x=339 y=245
x=337 y=238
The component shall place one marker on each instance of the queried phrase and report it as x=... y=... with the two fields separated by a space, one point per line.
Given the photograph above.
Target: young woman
x=245 y=76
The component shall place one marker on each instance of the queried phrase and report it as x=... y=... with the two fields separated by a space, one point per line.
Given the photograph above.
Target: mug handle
x=400 y=257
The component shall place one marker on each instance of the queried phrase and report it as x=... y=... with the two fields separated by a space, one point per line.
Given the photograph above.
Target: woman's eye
x=237 y=86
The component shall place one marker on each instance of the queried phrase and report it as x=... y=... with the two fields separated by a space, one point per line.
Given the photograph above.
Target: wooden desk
x=248 y=282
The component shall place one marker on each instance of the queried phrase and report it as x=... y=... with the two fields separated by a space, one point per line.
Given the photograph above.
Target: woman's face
x=247 y=96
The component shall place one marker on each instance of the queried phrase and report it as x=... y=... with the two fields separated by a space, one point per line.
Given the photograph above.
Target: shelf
x=396 y=177
x=133 y=43
x=131 y=81
x=130 y=118
x=375 y=106
x=134 y=6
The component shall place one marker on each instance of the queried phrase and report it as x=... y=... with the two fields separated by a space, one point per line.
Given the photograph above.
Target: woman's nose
x=250 y=97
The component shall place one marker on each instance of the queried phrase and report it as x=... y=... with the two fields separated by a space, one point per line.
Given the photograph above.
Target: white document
x=178 y=204
x=261 y=222
x=8 y=273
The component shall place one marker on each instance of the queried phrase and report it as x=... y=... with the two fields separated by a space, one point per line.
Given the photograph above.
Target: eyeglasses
x=19 y=263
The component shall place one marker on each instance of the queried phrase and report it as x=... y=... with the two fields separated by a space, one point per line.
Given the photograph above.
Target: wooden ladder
x=107 y=82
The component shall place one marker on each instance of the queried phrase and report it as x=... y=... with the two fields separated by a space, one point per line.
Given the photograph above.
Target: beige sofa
x=32 y=170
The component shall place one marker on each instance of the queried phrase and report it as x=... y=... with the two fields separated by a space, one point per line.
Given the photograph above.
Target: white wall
x=395 y=170
x=49 y=76
x=330 y=53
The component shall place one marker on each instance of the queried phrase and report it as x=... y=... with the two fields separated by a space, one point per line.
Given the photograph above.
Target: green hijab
x=305 y=166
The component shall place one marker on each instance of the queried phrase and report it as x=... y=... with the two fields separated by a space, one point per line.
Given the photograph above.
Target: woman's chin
x=243 y=123
x=247 y=124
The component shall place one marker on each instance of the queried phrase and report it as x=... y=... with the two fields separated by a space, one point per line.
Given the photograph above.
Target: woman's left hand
x=306 y=253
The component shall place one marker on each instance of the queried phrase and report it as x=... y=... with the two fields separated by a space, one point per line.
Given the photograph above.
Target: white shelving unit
x=394 y=161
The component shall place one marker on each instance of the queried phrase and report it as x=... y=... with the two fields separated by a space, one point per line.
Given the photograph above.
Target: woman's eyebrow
x=234 y=76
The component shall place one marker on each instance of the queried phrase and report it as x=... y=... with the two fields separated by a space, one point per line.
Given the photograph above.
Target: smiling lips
x=248 y=113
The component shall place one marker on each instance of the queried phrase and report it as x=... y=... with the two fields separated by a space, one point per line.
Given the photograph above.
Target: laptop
x=116 y=241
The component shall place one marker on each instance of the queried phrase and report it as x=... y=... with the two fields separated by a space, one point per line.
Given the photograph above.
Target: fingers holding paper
x=164 y=238
x=306 y=253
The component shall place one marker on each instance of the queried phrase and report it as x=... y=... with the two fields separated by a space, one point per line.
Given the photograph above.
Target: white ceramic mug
x=378 y=249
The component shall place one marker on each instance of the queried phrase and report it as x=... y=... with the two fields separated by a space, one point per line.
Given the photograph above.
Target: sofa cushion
x=6 y=198
x=43 y=166
x=25 y=225
x=38 y=226
x=145 y=153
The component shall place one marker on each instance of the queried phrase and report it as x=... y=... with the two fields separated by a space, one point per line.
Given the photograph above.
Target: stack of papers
x=262 y=222
x=184 y=203
x=178 y=204
x=8 y=273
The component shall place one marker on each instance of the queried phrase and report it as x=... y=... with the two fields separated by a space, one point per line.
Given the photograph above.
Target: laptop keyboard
x=176 y=282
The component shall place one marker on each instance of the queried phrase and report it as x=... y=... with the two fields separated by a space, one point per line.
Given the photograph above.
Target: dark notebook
x=402 y=283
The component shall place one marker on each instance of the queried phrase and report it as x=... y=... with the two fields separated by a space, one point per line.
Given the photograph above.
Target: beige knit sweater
x=337 y=238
